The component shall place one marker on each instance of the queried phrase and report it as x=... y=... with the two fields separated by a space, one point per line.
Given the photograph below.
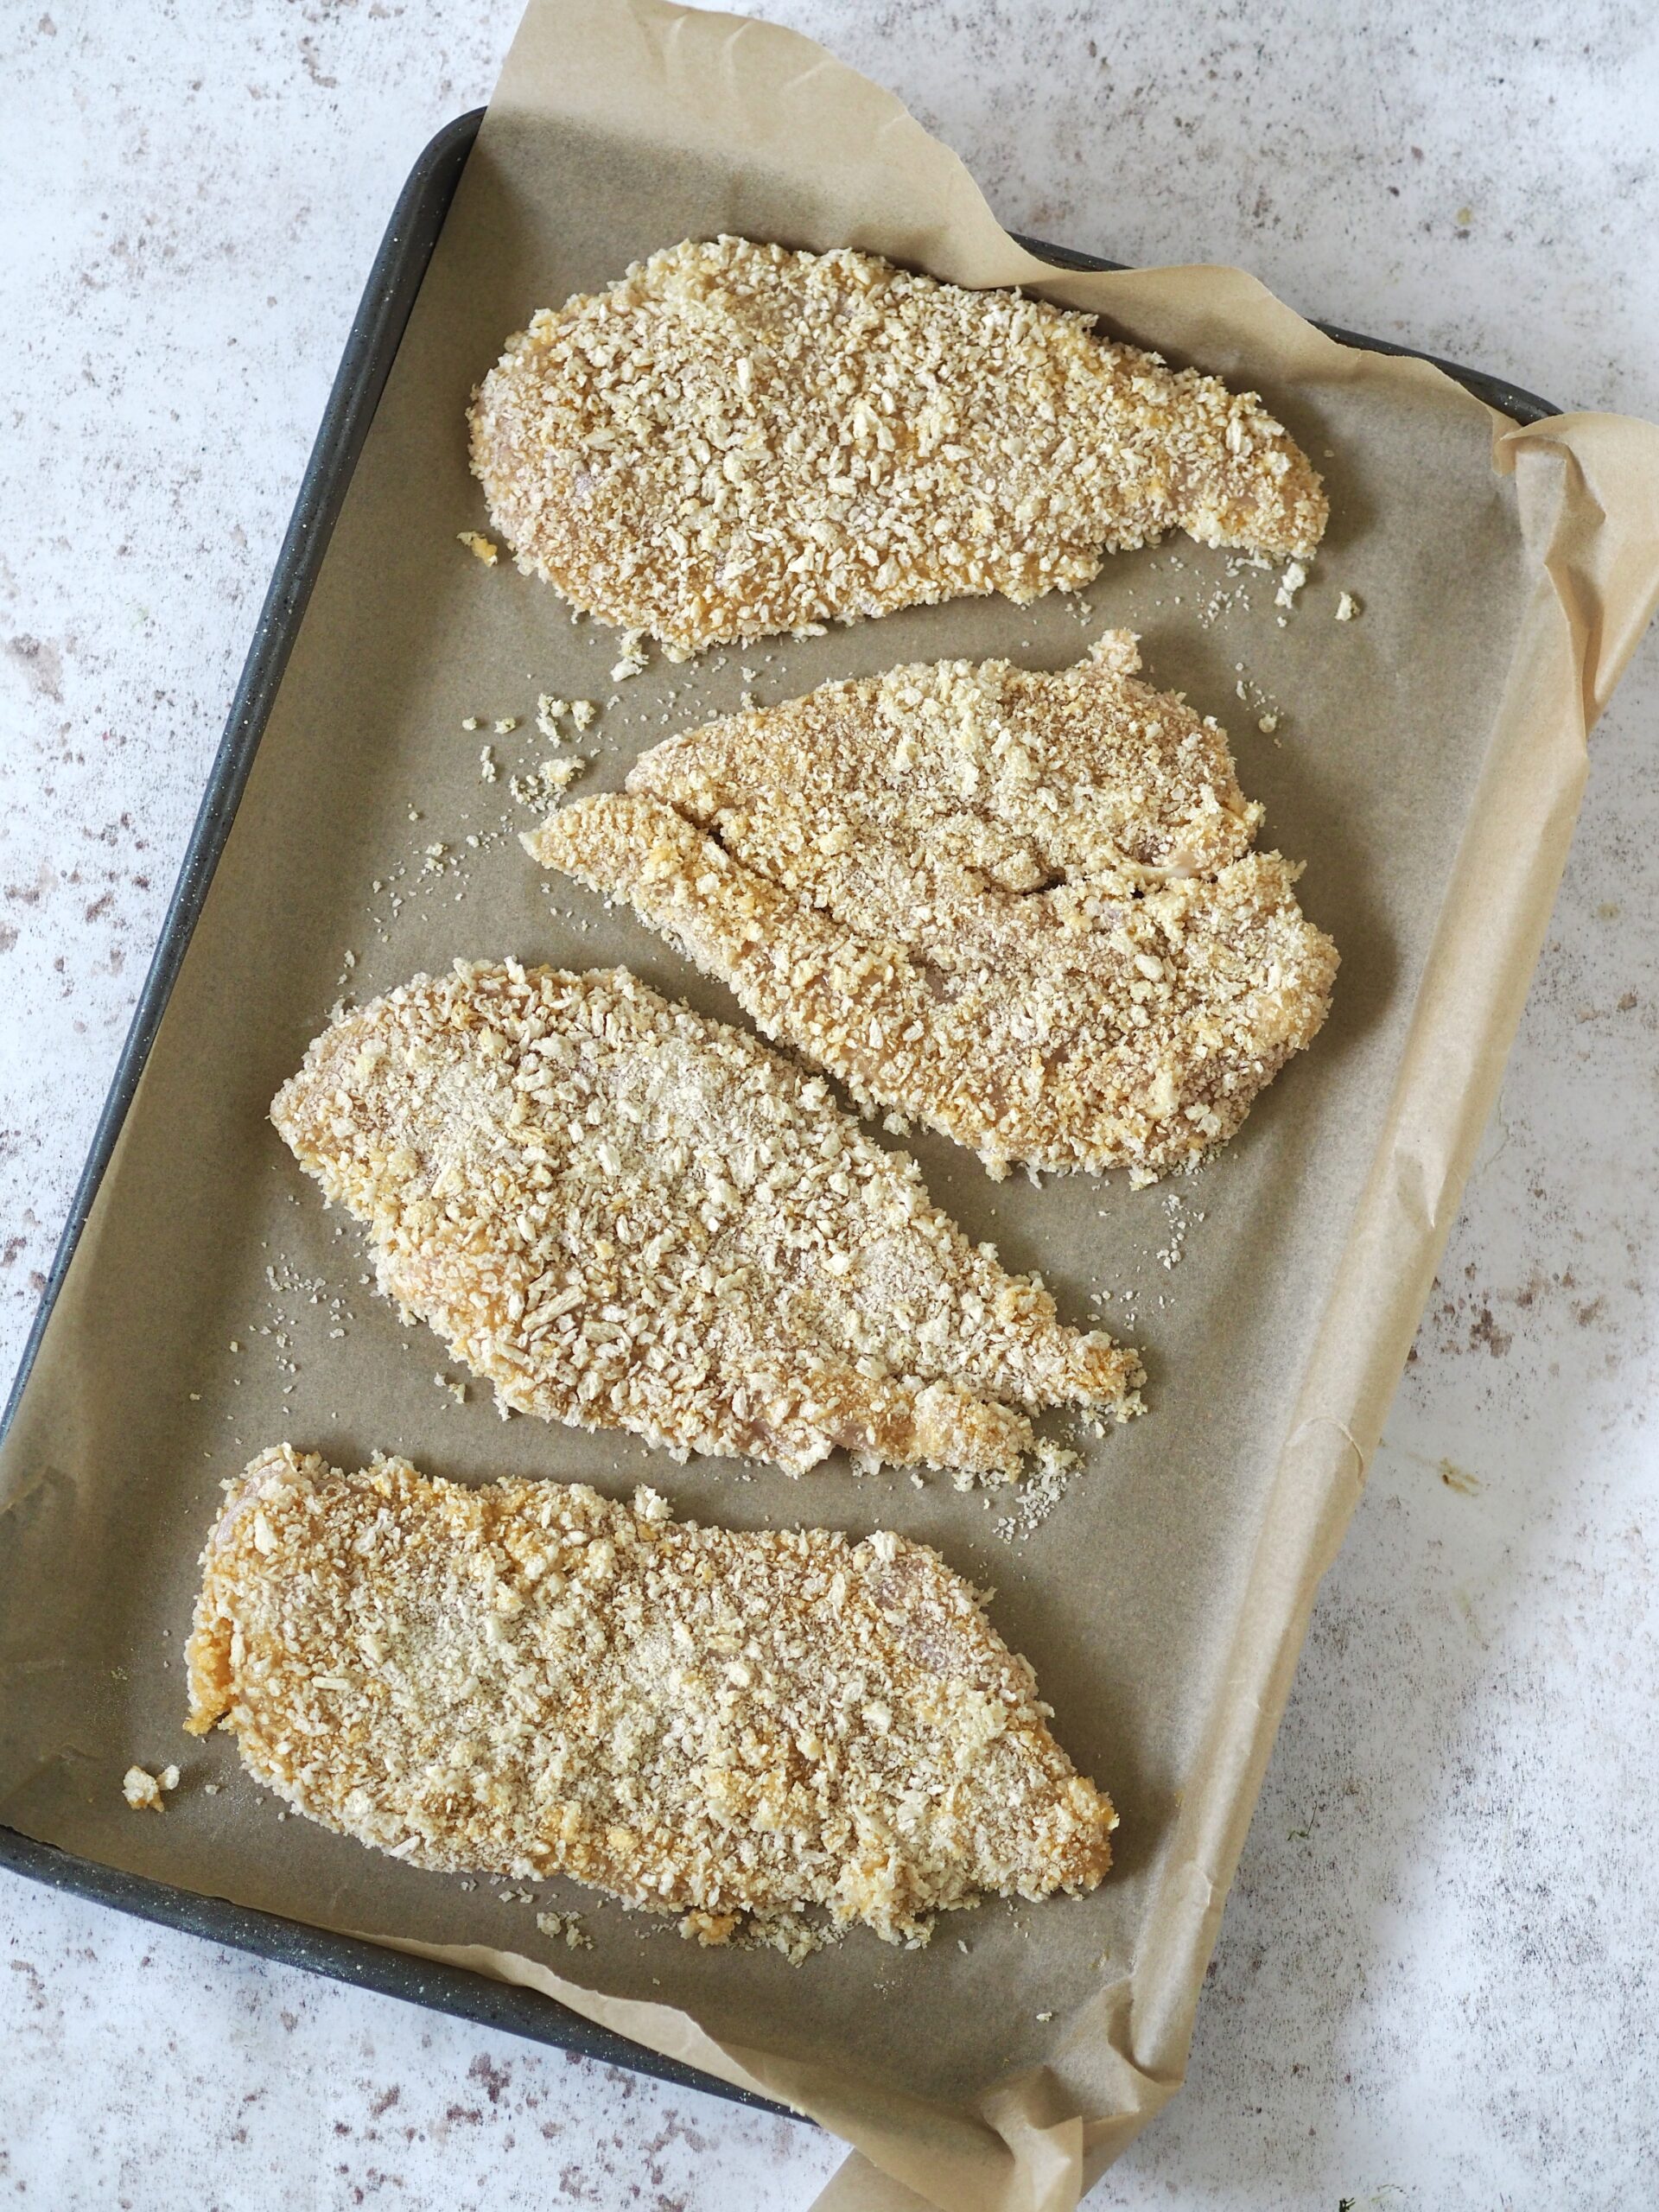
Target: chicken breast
x=527 y=1679
x=628 y=1216
x=1021 y=907
x=736 y=440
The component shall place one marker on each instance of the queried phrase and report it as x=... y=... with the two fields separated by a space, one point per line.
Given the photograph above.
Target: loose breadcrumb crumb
x=1041 y=1491
x=482 y=548
x=541 y=786
x=1347 y=608
x=633 y=660
x=567 y=1927
x=145 y=1791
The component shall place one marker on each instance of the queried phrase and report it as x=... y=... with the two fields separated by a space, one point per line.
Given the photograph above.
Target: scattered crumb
x=1290 y=583
x=487 y=769
x=143 y=1790
x=566 y=1927
x=457 y=1391
x=506 y=726
x=1045 y=2016
x=541 y=786
x=709 y=1928
x=631 y=660
x=1172 y=1253
x=482 y=548
x=1347 y=608
x=470 y=722
x=1041 y=1491
x=796 y=1934
x=583 y=713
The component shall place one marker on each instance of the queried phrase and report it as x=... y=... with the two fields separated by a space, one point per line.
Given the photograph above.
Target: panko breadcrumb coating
x=625 y=1215
x=527 y=1679
x=1021 y=907
x=736 y=439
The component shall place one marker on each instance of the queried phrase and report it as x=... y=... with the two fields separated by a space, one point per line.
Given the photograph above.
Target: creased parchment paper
x=1427 y=763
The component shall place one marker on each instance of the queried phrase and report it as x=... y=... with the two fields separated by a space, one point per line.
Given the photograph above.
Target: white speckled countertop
x=1434 y=1985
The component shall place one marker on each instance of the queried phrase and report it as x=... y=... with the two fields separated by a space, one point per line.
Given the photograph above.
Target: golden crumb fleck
x=633 y=661
x=482 y=548
x=1021 y=907
x=566 y=1927
x=545 y=785
x=626 y=1216
x=527 y=1679
x=737 y=440
x=143 y=1790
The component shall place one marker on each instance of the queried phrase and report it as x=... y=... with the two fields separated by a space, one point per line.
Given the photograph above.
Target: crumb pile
x=626 y=1216
x=527 y=1679
x=736 y=440
x=1022 y=907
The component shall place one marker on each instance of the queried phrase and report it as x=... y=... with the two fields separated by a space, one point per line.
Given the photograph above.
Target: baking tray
x=376 y=329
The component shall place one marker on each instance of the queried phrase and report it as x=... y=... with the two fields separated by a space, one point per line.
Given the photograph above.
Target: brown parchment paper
x=1427 y=765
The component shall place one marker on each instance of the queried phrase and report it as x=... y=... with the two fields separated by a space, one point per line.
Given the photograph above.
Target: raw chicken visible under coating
x=527 y=1679
x=628 y=1216
x=736 y=439
x=1021 y=907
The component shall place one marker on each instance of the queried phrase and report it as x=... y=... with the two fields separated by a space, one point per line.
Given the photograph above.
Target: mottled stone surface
x=1433 y=1986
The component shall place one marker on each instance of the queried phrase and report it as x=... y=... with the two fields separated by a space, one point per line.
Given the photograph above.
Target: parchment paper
x=1427 y=765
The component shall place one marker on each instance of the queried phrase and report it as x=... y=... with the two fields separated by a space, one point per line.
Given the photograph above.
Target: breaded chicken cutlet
x=736 y=440
x=1021 y=907
x=527 y=1679
x=625 y=1215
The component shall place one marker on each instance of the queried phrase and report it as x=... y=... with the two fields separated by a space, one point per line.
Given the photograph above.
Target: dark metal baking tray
x=399 y=267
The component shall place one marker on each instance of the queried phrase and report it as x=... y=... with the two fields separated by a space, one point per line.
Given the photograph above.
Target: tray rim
x=376 y=329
